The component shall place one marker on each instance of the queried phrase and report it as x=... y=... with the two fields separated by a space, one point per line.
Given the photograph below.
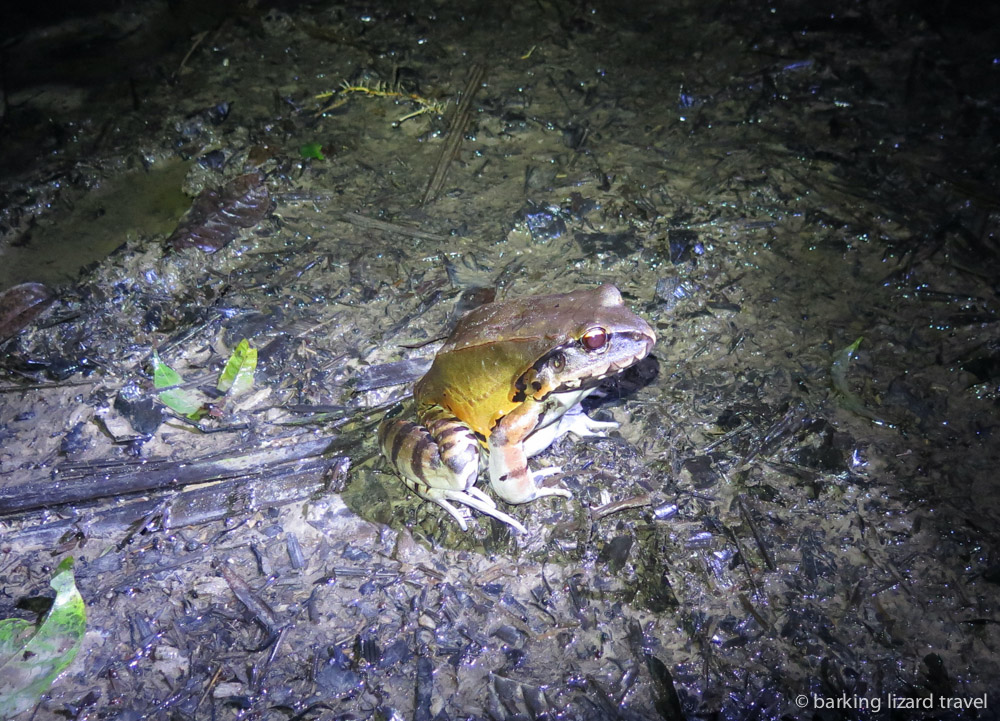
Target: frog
x=506 y=384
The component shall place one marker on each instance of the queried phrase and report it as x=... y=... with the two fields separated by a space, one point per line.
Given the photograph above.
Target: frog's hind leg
x=440 y=463
x=444 y=456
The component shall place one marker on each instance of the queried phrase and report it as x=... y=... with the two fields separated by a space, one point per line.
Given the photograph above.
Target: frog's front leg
x=574 y=421
x=439 y=461
x=510 y=444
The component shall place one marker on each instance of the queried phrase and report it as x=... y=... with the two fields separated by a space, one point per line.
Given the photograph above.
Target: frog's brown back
x=557 y=317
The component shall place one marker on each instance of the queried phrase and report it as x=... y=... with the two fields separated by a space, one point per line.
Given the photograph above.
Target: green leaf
x=237 y=377
x=30 y=662
x=163 y=375
x=312 y=150
x=838 y=374
x=183 y=401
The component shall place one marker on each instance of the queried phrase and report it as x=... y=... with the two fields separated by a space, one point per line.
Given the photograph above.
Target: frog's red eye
x=595 y=338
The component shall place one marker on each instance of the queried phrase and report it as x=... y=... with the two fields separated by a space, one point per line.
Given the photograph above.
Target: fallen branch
x=87 y=483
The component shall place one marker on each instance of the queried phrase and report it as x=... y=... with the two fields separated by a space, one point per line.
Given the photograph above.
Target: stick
x=456 y=133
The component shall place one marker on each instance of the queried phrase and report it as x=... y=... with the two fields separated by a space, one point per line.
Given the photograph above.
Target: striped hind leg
x=439 y=461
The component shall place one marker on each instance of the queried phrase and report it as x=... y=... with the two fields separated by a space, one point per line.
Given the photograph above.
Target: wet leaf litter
x=748 y=535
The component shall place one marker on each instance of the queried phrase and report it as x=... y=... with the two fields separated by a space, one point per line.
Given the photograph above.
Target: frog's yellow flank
x=505 y=385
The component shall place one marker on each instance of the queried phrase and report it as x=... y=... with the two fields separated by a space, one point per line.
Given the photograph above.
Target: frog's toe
x=583 y=426
x=455 y=513
x=541 y=490
x=481 y=496
x=543 y=472
x=474 y=498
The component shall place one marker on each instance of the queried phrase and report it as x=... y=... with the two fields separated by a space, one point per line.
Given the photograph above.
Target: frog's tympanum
x=510 y=380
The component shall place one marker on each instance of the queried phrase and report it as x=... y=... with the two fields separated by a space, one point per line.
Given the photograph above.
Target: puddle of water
x=135 y=204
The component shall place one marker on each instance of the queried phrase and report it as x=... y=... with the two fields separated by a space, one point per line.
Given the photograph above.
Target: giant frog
x=508 y=382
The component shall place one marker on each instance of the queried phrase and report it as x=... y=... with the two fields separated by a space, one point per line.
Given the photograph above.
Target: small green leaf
x=30 y=662
x=312 y=150
x=163 y=375
x=838 y=375
x=181 y=400
x=237 y=377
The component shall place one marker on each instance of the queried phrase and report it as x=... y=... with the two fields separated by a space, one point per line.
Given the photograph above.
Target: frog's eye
x=595 y=338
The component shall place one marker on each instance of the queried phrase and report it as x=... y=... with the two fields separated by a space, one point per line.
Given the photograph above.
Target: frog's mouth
x=573 y=367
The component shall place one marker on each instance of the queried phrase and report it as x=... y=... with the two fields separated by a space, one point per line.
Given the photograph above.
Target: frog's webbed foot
x=473 y=498
x=583 y=426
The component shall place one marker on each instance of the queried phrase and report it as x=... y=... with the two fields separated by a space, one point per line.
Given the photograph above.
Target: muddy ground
x=779 y=526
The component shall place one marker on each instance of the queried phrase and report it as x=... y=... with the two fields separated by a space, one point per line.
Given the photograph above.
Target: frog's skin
x=510 y=380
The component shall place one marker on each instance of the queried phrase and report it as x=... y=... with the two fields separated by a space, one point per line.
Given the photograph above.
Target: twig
x=46 y=386
x=757 y=537
x=371 y=223
x=194 y=46
x=455 y=134
x=640 y=501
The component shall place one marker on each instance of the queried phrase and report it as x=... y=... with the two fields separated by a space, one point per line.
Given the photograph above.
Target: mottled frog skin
x=506 y=385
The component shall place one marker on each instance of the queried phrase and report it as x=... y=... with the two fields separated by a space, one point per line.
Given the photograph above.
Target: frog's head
x=600 y=337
